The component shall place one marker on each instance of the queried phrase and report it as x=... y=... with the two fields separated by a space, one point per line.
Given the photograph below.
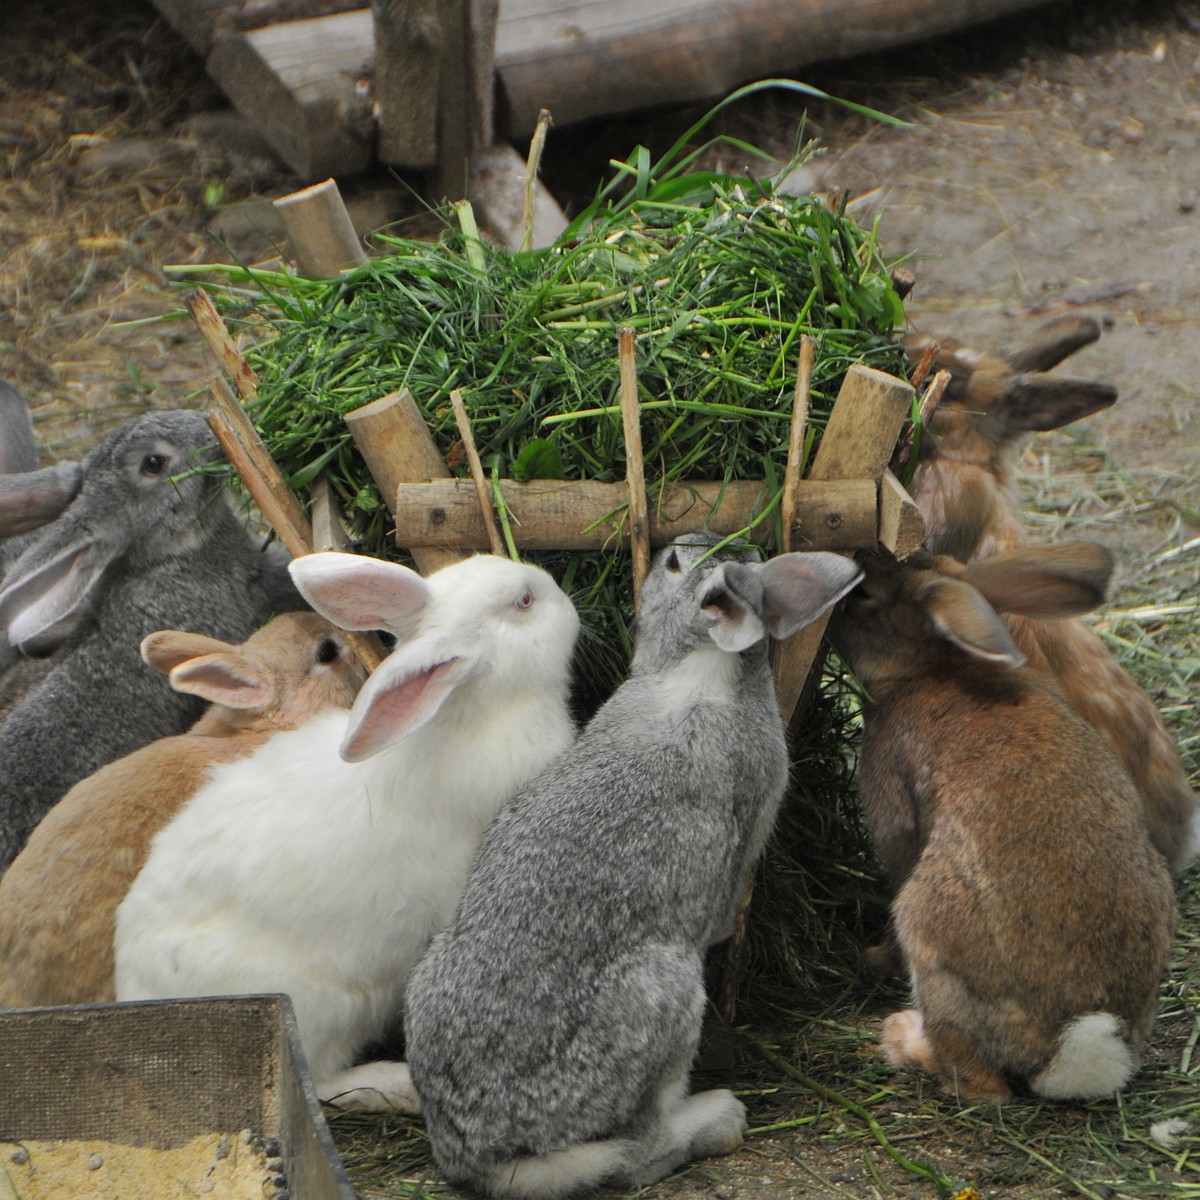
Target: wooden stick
x=924 y=363
x=253 y=462
x=324 y=240
x=213 y=330
x=791 y=477
x=329 y=530
x=529 y=209
x=263 y=480
x=635 y=476
x=397 y=447
x=481 y=487
x=925 y=410
x=568 y=514
x=901 y=527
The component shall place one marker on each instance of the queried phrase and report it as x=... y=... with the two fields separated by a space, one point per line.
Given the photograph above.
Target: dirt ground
x=1053 y=162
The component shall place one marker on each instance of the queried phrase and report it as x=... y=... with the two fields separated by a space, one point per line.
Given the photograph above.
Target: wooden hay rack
x=849 y=500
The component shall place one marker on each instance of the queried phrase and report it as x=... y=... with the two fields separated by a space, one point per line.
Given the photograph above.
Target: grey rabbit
x=148 y=542
x=551 y=1027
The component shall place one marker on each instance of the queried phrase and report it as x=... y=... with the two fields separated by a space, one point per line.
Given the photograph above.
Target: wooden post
x=859 y=438
x=635 y=475
x=465 y=91
x=408 y=61
x=319 y=228
x=396 y=445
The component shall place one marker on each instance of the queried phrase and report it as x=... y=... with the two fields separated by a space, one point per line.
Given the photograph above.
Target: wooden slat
x=557 y=514
x=302 y=85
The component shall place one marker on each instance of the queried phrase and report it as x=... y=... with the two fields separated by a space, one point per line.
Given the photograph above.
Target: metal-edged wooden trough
x=156 y=1074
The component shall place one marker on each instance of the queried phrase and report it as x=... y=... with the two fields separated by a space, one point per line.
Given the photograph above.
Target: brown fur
x=1028 y=893
x=59 y=898
x=965 y=487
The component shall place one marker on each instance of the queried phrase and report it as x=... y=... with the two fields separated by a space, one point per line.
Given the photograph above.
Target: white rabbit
x=323 y=876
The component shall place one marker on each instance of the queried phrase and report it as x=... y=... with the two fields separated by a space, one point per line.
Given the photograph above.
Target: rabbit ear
x=961 y=616
x=38 y=599
x=1051 y=342
x=32 y=498
x=226 y=677
x=167 y=648
x=405 y=691
x=1036 y=403
x=18 y=449
x=797 y=588
x=732 y=618
x=1045 y=582
x=357 y=592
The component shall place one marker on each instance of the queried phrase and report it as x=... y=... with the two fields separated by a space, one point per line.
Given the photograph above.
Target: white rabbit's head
x=483 y=630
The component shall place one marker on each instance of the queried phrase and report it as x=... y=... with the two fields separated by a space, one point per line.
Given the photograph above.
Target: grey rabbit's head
x=140 y=500
x=693 y=597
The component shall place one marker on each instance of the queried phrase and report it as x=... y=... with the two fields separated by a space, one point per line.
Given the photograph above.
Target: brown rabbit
x=1032 y=911
x=965 y=488
x=58 y=900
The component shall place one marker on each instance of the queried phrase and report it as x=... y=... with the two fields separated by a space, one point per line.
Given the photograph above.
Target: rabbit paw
x=372 y=1087
x=903 y=1043
x=717 y=1122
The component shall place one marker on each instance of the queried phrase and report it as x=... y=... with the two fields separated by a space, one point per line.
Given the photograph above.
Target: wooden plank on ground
x=202 y=22
x=584 y=58
x=303 y=86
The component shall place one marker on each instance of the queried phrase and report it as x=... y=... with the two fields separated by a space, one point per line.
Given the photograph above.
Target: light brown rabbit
x=965 y=488
x=1032 y=911
x=58 y=900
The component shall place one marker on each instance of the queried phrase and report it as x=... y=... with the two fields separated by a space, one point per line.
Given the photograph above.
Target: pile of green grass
x=719 y=276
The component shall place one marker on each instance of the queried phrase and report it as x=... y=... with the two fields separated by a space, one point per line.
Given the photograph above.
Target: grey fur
x=551 y=1028
x=138 y=551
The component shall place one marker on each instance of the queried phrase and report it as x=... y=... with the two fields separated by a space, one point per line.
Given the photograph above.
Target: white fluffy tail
x=1093 y=1061
x=560 y=1173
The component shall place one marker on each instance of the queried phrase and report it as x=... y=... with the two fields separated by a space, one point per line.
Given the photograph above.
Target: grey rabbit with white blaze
x=146 y=542
x=551 y=1027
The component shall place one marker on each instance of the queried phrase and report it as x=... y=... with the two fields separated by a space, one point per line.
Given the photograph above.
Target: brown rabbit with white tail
x=1032 y=911
x=965 y=487
x=58 y=900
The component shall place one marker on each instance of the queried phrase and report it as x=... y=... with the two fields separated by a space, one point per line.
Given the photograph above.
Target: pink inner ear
x=393 y=710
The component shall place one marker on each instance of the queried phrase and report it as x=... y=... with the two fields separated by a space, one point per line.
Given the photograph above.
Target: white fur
x=706 y=674
x=582 y=1167
x=295 y=871
x=1093 y=1061
x=374 y=1087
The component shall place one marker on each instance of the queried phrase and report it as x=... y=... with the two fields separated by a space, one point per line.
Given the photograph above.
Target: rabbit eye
x=154 y=464
x=672 y=563
x=524 y=601
x=327 y=651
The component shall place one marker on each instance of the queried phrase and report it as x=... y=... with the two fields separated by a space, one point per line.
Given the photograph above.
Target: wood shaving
x=211 y=1166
